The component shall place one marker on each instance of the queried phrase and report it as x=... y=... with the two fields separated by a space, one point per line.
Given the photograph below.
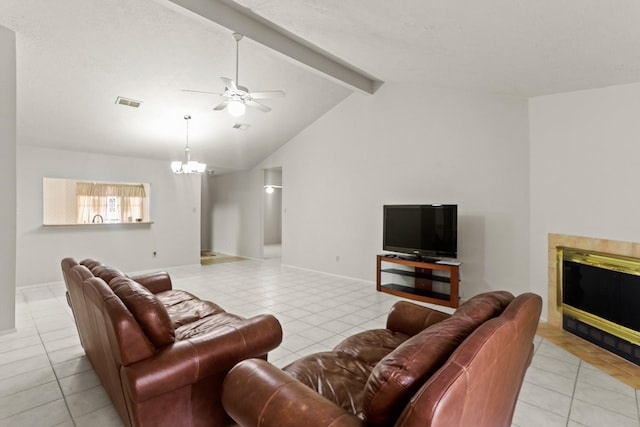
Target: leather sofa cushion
x=341 y=375
x=205 y=325
x=147 y=310
x=483 y=307
x=106 y=273
x=184 y=308
x=400 y=374
x=371 y=346
x=335 y=376
x=90 y=263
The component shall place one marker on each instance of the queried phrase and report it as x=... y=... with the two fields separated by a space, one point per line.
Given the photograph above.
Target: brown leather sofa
x=426 y=368
x=160 y=353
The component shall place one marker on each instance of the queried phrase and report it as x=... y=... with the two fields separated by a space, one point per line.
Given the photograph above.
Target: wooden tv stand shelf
x=418 y=280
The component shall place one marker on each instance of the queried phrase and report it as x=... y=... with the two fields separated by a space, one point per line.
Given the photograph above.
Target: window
x=113 y=210
x=110 y=202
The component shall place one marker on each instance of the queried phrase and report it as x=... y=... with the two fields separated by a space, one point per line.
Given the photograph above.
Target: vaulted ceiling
x=75 y=57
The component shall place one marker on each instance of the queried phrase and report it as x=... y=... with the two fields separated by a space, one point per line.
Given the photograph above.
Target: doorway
x=272 y=222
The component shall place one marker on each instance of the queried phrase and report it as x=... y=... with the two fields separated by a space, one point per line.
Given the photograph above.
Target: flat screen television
x=421 y=230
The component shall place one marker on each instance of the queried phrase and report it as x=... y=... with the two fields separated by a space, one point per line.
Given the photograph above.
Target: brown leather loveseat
x=160 y=353
x=426 y=368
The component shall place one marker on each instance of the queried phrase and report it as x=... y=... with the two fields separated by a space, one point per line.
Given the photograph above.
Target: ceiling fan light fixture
x=237 y=97
x=236 y=108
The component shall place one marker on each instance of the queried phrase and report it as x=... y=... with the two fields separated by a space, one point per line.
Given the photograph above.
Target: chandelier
x=190 y=166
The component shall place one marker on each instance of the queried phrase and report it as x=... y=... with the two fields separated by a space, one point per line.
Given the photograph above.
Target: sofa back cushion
x=398 y=376
x=67 y=264
x=90 y=263
x=106 y=273
x=147 y=310
x=401 y=373
x=483 y=307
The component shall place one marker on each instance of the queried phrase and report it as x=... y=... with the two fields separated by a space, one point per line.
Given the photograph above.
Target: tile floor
x=45 y=379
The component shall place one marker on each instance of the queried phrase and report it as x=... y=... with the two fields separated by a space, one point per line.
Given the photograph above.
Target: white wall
x=405 y=144
x=237 y=213
x=7 y=178
x=272 y=207
x=272 y=223
x=584 y=169
x=174 y=206
x=206 y=214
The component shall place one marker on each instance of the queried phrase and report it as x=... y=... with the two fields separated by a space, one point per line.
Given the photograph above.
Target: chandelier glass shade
x=189 y=166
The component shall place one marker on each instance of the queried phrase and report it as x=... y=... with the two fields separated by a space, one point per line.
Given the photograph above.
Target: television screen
x=422 y=230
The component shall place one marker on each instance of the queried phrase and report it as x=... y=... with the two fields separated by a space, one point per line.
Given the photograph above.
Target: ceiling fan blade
x=222 y=105
x=267 y=94
x=201 y=91
x=229 y=83
x=257 y=105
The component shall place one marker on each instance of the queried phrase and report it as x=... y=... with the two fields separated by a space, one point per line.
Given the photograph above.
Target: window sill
x=101 y=224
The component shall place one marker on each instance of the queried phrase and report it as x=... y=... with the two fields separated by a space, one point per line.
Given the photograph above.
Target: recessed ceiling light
x=241 y=126
x=128 y=102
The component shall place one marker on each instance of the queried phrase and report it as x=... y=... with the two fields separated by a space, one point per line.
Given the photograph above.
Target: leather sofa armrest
x=256 y=393
x=410 y=318
x=186 y=362
x=155 y=282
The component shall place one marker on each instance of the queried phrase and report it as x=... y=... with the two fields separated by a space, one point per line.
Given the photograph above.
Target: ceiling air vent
x=128 y=102
x=241 y=126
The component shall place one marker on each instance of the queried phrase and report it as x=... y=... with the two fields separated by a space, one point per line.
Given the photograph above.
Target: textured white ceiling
x=521 y=48
x=76 y=56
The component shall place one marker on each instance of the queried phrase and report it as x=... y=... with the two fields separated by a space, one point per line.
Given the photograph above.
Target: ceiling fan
x=237 y=97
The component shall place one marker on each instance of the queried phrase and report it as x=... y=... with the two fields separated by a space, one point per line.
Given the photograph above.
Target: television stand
x=426 y=259
x=416 y=279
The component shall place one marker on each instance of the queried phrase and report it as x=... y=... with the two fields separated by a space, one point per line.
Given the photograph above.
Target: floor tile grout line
x=541 y=408
x=64 y=397
x=32 y=408
x=573 y=394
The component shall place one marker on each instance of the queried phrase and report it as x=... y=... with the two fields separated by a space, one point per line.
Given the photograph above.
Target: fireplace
x=598 y=295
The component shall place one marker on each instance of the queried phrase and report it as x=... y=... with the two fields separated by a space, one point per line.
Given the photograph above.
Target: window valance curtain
x=109 y=202
x=105 y=190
